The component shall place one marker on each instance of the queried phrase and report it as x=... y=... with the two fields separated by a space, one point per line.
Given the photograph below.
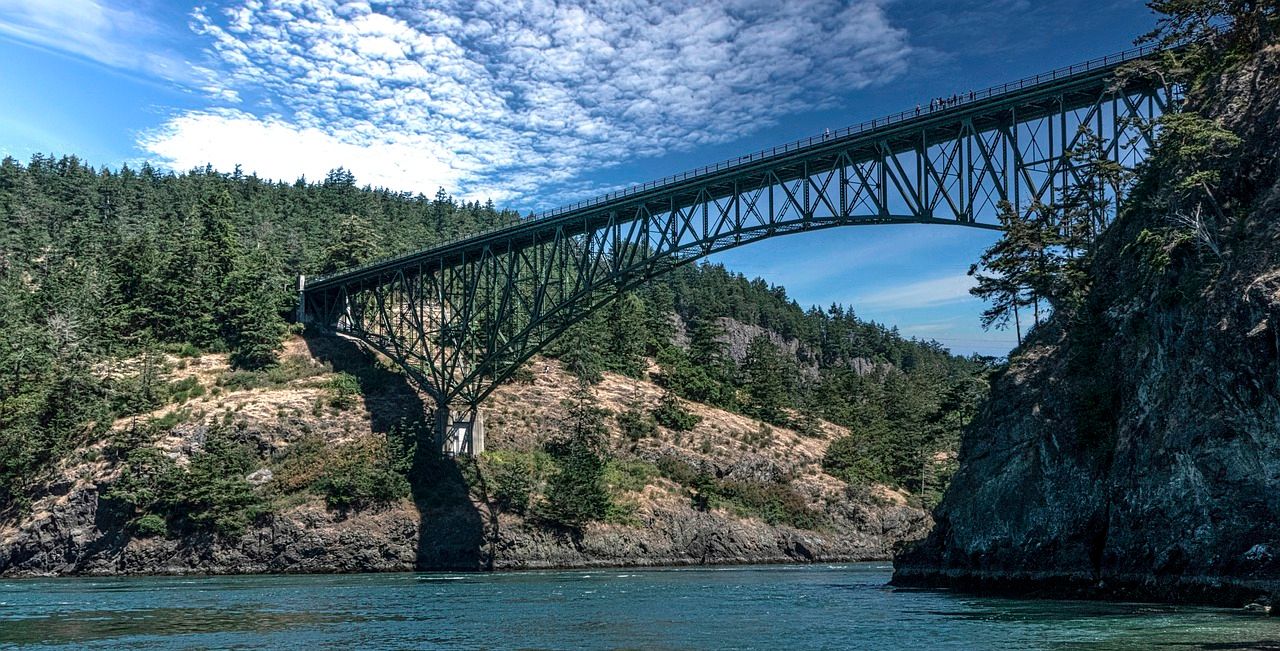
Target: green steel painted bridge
x=462 y=316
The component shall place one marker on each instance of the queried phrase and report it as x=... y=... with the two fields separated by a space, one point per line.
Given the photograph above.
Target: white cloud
x=285 y=151
x=520 y=98
x=933 y=292
x=100 y=30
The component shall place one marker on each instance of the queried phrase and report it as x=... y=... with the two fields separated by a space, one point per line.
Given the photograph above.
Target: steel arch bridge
x=461 y=317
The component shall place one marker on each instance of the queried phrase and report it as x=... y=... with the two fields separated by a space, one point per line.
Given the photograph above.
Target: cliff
x=297 y=423
x=1134 y=450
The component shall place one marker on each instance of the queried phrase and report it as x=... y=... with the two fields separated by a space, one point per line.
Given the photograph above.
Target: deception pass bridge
x=462 y=316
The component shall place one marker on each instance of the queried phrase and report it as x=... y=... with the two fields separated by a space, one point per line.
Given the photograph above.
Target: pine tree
x=626 y=340
x=576 y=493
x=253 y=311
x=767 y=380
x=1022 y=269
x=354 y=245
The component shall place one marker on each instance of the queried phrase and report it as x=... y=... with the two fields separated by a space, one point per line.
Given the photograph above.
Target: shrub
x=185 y=389
x=635 y=425
x=522 y=375
x=773 y=502
x=345 y=387
x=363 y=474
x=299 y=465
x=514 y=479
x=150 y=525
x=672 y=415
x=211 y=493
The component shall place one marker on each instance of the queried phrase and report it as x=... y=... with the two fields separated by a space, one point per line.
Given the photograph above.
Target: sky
x=535 y=103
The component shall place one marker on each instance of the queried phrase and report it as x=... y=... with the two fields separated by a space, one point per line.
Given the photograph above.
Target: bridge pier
x=302 y=300
x=459 y=433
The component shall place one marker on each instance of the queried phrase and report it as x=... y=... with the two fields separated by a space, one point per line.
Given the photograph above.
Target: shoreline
x=656 y=565
x=1230 y=592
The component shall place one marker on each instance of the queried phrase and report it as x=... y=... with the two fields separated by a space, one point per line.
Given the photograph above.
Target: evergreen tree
x=354 y=245
x=1022 y=268
x=253 y=311
x=768 y=381
x=576 y=492
x=627 y=336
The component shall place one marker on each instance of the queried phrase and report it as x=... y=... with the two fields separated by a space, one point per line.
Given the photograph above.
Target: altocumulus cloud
x=513 y=99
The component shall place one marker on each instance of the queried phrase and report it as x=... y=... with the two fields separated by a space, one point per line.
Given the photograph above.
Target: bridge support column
x=459 y=433
x=302 y=300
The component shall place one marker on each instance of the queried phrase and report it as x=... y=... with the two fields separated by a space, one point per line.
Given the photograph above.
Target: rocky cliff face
x=1135 y=451
x=72 y=528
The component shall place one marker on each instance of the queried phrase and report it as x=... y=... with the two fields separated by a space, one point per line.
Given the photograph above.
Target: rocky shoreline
x=1133 y=450
x=77 y=538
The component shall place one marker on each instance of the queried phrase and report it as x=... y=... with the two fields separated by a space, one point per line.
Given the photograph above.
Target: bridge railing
x=955 y=101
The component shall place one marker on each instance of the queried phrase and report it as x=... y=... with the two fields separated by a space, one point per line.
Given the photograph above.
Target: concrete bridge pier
x=459 y=433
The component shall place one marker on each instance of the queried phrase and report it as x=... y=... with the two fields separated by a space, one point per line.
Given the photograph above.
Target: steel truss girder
x=463 y=318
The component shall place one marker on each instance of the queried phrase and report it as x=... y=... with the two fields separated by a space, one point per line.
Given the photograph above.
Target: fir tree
x=576 y=492
x=253 y=312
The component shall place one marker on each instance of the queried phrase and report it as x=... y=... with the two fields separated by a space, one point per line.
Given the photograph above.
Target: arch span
x=462 y=317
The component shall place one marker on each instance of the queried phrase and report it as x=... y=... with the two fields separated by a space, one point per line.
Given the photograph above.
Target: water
x=798 y=607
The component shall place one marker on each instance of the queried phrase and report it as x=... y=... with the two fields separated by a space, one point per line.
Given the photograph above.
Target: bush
x=211 y=493
x=150 y=525
x=514 y=479
x=345 y=387
x=299 y=465
x=672 y=415
x=775 y=503
x=522 y=375
x=363 y=474
x=628 y=476
x=635 y=425
x=185 y=389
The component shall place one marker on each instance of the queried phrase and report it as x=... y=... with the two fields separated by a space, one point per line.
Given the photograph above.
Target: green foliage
x=299 y=465
x=1022 y=269
x=853 y=459
x=364 y=474
x=345 y=388
x=209 y=495
x=150 y=526
x=1241 y=25
x=100 y=265
x=580 y=349
x=774 y=502
x=635 y=424
x=354 y=245
x=576 y=493
x=769 y=381
x=515 y=479
x=672 y=415
x=254 y=303
x=627 y=337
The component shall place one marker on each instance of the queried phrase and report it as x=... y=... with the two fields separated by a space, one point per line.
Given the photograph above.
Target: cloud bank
x=519 y=100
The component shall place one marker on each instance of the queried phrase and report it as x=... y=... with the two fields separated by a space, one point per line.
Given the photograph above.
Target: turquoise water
x=770 y=607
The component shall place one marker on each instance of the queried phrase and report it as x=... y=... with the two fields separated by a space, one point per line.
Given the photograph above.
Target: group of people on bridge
x=940 y=103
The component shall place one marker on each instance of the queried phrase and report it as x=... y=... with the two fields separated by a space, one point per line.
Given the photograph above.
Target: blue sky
x=536 y=103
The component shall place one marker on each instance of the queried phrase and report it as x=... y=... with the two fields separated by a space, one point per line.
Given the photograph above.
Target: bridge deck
x=984 y=108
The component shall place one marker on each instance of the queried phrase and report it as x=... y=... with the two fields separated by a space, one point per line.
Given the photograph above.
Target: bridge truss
x=462 y=317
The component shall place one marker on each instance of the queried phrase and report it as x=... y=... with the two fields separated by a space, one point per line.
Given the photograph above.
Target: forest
x=102 y=271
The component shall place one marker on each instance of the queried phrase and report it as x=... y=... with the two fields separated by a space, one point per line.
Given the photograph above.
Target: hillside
x=1131 y=448
x=300 y=469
